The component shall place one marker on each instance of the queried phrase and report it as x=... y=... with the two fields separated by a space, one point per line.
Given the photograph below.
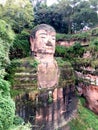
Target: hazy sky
x=2 y=1
x=50 y=2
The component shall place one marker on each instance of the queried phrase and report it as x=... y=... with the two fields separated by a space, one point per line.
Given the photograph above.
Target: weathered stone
x=91 y=95
x=48 y=75
x=52 y=93
x=43 y=46
x=89 y=89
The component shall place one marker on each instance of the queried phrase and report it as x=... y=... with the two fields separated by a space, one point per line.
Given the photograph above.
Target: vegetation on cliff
x=7 y=105
x=67 y=18
x=85 y=120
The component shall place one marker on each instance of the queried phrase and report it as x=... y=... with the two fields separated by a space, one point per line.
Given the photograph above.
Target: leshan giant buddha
x=43 y=40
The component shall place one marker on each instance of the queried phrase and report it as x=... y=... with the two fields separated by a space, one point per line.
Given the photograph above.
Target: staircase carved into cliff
x=25 y=74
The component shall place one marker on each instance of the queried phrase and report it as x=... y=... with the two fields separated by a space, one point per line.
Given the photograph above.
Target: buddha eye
x=43 y=36
x=53 y=38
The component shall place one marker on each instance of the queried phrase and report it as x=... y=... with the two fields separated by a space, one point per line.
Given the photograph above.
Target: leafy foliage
x=7 y=106
x=21 y=47
x=19 y=14
x=95 y=32
x=63 y=36
x=6 y=39
x=86 y=120
x=60 y=51
x=22 y=127
x=68 y=16
x=71 y=52
x=6 y=32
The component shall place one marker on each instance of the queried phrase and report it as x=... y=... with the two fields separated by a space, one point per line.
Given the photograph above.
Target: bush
x=6 y=32
x=94 y=42
x=86 y=119
x=78 y=50
x=6 y=38
x=63 y=37
x=7 y=106
x=18 y=120
x=93 y=48
x=81 y=36
x=21 y=47
x=94 y=32
x=4 y=49
x=69 y=53
x=60 y=51
x=22 y=127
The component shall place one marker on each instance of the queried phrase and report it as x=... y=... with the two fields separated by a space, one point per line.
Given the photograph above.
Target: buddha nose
x=49 y=43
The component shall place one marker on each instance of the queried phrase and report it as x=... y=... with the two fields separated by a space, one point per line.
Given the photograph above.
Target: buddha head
x=43 y=39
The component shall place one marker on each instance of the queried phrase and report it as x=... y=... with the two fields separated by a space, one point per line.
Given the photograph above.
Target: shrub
x=78 y=50
x=81 y=36
x=4 y=49
x=18 y=120
x=86 y=119
x=93 y=48
x=63 y=37
x=6 y=38
x=94 y=32
x=22 y=127
x=21 y=45
x=7 y=106
x=94 y=42
x=60 y=51
x=69 y=52
x=6 y=32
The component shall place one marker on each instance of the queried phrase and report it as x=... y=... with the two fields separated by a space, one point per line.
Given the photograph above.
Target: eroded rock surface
x=91 y=94
x=50 y=101
x=89 y=89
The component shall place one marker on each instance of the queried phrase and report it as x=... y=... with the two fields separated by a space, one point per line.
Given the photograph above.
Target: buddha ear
x=32 y=42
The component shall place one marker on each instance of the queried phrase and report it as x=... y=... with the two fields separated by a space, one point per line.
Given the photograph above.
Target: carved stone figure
x=43 y=39
x=49 y=98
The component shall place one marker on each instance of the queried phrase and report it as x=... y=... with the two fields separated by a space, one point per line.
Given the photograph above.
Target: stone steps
x=26 y=69
x=25 y=86
x=25 y=77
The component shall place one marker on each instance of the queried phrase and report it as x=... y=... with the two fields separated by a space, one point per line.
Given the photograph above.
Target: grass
x=86 y=119
x=22 y=127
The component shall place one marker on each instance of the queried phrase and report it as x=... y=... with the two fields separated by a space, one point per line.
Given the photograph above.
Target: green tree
x=94 y=4
x=37 y=4
x=84 y=15
x=18 y=13
x=6 y=39
x=21 y=47
x=67 y=15
x=7 y=106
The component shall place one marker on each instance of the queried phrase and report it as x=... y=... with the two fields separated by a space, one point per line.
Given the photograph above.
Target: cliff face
x=51 y=107
x=91 y=95
x=88 y=87
x=86 y=66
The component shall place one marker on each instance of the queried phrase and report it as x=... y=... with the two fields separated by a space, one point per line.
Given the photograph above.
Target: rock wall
x=91 y=95
x=88 y=87
x=47 y=108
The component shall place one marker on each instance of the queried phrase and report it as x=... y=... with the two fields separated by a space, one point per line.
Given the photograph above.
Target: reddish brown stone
x=91 y=94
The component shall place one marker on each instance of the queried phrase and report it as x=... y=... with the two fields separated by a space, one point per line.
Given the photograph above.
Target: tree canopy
x=68 y=15
x=18 y=13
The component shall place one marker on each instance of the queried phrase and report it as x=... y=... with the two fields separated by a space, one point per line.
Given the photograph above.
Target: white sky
x=2 y=1
x=50 y=2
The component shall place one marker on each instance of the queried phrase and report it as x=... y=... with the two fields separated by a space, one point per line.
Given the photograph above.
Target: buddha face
x=44 y=42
